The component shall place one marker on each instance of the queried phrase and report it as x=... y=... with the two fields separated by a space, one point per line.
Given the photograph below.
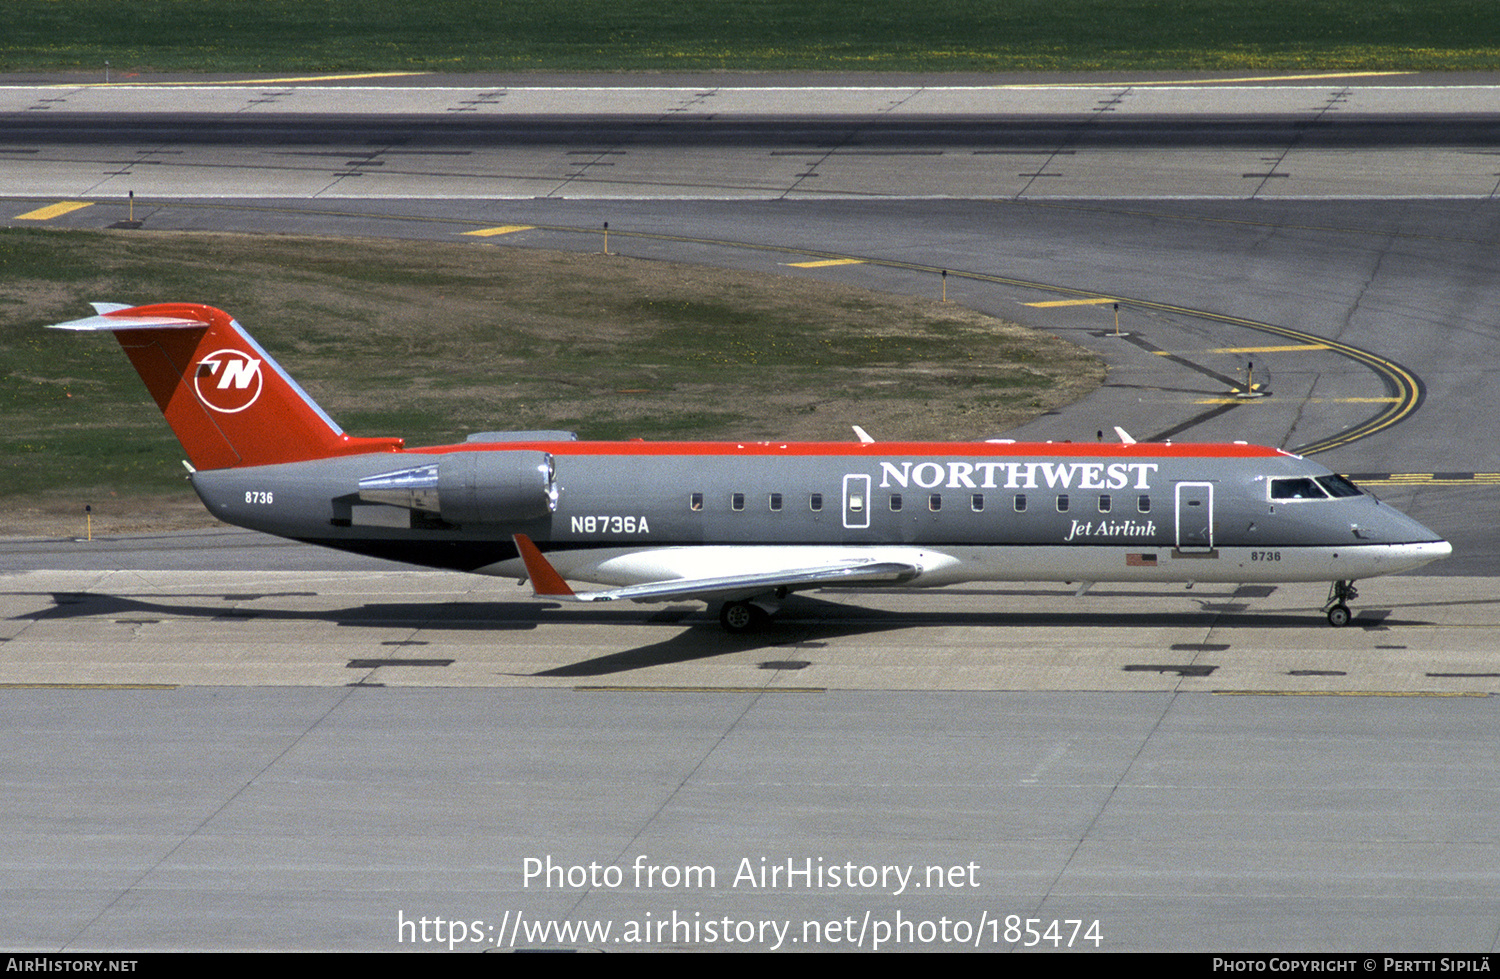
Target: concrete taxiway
x=402 y=628
x=224 y=742
x=1342 y=136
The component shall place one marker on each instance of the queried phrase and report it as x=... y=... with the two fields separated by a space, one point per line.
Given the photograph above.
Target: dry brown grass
x=432 y=341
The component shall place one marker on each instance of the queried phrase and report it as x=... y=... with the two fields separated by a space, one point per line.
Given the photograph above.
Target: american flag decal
x=1140 y=560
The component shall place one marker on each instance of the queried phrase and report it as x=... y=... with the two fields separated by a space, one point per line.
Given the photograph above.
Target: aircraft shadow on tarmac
x=804 y=622
x=451 y=616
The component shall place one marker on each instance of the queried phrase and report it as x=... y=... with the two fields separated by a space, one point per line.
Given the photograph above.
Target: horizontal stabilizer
x=111 y=321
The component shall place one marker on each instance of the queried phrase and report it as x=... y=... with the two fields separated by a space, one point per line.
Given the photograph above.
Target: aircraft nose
x=1387 y=524
x=1416 y=544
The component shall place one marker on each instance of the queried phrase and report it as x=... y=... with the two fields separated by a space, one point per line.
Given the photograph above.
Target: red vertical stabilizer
x=227 y=400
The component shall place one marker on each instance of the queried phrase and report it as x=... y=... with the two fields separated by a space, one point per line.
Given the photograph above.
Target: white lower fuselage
x=616 y=567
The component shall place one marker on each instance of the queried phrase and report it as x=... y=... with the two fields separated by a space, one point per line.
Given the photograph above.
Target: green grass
x=748 y=35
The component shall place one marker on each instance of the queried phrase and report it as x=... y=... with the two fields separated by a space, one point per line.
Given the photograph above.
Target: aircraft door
x=856 y=501
x=1195 y=516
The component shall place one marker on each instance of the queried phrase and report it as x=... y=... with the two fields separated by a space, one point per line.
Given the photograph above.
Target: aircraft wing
x=547 y=583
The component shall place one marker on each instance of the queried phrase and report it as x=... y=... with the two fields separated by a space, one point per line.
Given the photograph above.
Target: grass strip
x=748 y=35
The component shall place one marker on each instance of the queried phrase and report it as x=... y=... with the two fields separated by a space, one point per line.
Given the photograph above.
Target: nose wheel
x=1335 y=608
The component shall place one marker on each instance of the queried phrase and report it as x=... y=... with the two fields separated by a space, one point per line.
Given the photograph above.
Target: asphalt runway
x=242 y=744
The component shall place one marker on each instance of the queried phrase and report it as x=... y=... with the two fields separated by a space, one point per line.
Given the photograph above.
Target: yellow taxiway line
x=505 y=229
x=1069 y=302
x=52 y=211
x=249 y=81
x=825 y=263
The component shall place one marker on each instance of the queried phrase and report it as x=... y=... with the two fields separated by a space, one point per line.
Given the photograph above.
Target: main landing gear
x=741 y=617
x=1338 y=612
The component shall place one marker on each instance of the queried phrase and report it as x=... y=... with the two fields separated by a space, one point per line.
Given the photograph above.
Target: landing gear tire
x=738 y=618
x=1338 y=594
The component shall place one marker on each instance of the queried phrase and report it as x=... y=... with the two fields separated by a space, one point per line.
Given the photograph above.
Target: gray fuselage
x=618 y=513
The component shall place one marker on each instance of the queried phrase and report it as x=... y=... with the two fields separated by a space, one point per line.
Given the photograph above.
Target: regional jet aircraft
x=742 y=524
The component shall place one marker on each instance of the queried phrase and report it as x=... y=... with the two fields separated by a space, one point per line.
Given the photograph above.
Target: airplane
x=744 y=524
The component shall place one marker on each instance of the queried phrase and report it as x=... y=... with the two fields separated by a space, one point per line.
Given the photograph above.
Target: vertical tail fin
x=229 y=403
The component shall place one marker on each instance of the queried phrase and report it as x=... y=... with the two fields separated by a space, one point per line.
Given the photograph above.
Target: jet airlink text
x=1111 y=528
x=1018 y=475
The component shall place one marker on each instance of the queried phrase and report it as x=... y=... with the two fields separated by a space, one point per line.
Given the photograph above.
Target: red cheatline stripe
x=1027 y=450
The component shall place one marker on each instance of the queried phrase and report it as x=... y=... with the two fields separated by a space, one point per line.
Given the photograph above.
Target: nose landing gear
x=1338 y=594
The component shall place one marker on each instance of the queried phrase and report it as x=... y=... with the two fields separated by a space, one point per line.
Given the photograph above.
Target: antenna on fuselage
x=861 y=434
x=1124 y=436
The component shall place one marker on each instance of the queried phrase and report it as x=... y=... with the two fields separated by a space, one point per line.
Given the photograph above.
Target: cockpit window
x=1298 y=488
x=1338 y=486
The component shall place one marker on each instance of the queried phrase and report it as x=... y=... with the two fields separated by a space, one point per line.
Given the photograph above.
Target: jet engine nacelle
x=498 y=487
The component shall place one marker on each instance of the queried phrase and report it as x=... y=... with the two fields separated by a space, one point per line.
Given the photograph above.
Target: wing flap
x=547 y=583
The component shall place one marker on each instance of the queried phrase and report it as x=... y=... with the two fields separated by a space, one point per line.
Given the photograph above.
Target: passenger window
x=737 y=501
x=935 y=502
x=1020 y=503
x=815 y=502
x=1062 y=503
x=977 y=502
x=1104 y=502
x=895 y=502
x=1143 y=503
x=775 y=502
x=695 y=501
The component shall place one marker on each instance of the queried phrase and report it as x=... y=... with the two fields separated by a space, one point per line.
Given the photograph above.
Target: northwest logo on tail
x=228 y=381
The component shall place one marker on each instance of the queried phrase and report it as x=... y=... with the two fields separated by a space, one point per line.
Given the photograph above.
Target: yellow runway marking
x=1320 y=401
x=1254 y=350
x=52 y=210
x=1431 y=479
x=1427 y=482
x=1069 y=302
x=256 y=81
x=1195 y=82
x=505 y=229
x=824 y=263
